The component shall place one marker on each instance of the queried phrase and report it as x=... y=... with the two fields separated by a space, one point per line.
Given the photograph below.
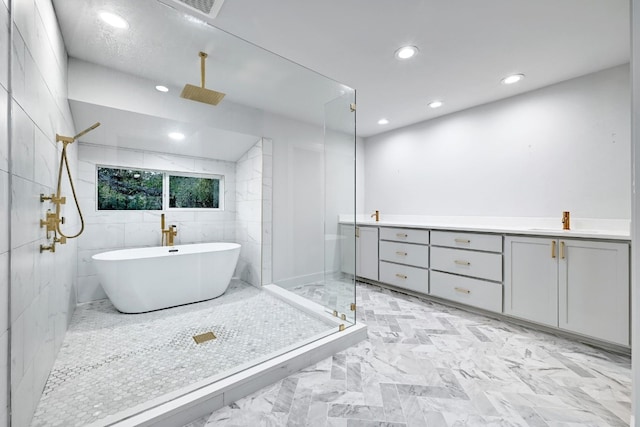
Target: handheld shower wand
x=57 y=199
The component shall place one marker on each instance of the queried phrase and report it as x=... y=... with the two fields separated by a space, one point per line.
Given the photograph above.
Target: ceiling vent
x=210 y=8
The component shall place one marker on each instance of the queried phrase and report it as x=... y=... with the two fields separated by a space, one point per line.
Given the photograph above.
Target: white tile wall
x=22 y=143
x=42 y=285
x=110 y=230
x=249 y=214
x=267 y=210
x=4 y=211
x=5 y=50
x=4 y=47
x=4 y=136
x=4 y=303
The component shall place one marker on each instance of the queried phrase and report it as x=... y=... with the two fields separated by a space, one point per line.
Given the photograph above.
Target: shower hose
x=65 y=162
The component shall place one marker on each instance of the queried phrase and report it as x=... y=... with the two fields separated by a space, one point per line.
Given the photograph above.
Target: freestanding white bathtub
x=146 y=279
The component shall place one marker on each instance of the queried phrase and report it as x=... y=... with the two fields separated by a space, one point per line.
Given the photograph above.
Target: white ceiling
x=119 y=128
x=466 y=47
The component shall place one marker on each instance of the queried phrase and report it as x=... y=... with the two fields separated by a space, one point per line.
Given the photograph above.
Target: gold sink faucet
x=376 y=214
x=566 y=220
x=167 y=233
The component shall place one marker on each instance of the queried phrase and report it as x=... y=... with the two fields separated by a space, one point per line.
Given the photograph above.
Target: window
x=138 y=189
x=129 y=189
x=193 y=192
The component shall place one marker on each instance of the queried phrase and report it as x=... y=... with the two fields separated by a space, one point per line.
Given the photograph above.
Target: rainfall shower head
x=201 y=94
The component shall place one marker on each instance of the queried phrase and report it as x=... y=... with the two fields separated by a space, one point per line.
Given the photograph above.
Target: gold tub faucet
x=167 y=233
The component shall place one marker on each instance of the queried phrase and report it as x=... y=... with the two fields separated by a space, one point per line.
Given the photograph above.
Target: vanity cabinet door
x=367 y=252
x=531 y=279
x=594 y=289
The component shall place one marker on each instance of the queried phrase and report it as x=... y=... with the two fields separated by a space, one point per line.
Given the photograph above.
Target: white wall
x=42 y=286
x=563 y=147
x=5 y=212
x=110 y=230
x=249 y=216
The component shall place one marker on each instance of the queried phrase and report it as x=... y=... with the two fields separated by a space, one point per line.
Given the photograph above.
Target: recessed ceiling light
x=161 y=88
x=114 y=20
x=406 y=52
x=514 y=78
x=435 y=104
x=383 y=122
x=176 y=135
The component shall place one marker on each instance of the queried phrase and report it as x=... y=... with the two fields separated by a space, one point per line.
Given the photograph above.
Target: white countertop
x=606 y=229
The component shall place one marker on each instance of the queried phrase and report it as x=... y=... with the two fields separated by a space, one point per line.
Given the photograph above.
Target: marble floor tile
x=427 y=364
x=111 y=361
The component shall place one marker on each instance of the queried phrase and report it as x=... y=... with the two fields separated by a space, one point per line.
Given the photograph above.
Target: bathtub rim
x=157 y=251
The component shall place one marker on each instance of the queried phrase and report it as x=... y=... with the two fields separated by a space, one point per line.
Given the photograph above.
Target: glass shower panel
x=339 y=227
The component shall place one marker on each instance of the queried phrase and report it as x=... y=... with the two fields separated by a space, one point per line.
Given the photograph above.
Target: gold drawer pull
x=400 y=276
x=462 y=240
x=562 y=250
x=402 y=235
x=553 y=249
x=462 y=262
x=401 y=253
x=462 y=290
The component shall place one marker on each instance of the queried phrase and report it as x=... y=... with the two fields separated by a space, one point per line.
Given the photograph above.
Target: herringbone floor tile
x=425 y=364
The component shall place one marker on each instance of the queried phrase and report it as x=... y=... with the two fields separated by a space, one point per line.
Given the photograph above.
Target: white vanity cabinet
x=467 y=268
x=367 y=252
x=578 y=285
x=404 y=258
x=364 y=252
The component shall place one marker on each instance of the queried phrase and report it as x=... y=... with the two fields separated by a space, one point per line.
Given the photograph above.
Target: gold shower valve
x=57 y=200
x=62 y=240
x=50 y=248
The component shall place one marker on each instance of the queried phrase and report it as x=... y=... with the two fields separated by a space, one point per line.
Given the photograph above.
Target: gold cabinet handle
x=401 y=253
x=462 y=240
x=553 y=249
x=357 y=231
x=462 y=262
x=561 y=250
x=462 y=290
x=402 y=235
x=401 y=276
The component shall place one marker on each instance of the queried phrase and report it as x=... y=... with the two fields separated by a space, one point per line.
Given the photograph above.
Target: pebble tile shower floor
x=429 y=365
x=111 y=361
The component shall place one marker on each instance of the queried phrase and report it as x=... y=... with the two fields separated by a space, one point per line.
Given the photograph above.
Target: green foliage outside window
x=129 y=189
x=193 y=192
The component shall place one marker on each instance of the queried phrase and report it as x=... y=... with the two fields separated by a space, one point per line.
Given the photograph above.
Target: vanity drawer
x=405 y=253
x=474 y=292
x=468 y=263
x=478 y=242
x=403 y=276
x=407 y=235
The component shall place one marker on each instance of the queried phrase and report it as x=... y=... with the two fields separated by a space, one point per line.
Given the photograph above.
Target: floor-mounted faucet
x=168 y=234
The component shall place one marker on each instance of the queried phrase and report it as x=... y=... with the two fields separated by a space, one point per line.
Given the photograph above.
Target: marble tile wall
x=42 y=285
x=249 y=220
x=111 y=230
x=4 y=211
x=267 y=211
